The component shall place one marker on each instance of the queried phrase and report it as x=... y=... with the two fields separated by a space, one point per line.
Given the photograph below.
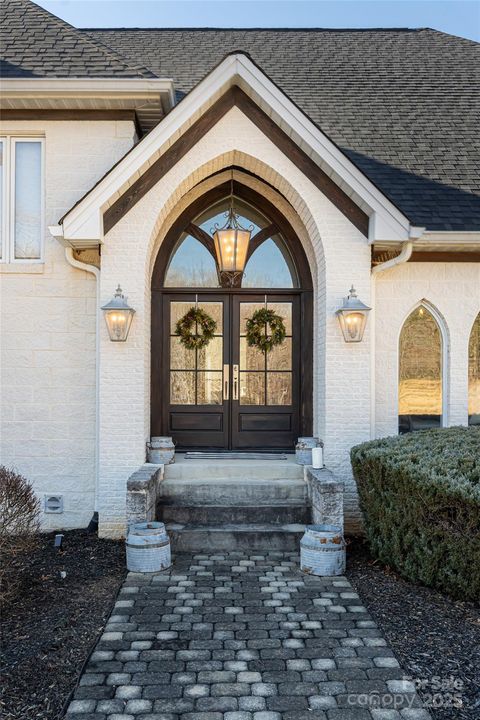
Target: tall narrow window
x=2 y=199
x=474 y=374
x=420 y=392
x=28 y=200
x=21 y=193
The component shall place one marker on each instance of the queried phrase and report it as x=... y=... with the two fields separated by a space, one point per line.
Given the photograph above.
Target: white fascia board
x=85 y=220
x=450 y=237
x=86 y=87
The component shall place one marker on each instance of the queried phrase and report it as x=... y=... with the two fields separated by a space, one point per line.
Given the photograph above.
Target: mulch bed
x=51 y=627
x=435 y=638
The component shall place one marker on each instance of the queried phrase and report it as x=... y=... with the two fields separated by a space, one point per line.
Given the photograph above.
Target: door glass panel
x=251 y=358
x=181 y=358
x=284 y=309
x=210 y=357
x=215 y=310
x=279 y=388
x=246 y=311
x=209 y=388
x=182 y=388
x=252 y=388
x=178 y=310
x=280 y=356
x=200 y=386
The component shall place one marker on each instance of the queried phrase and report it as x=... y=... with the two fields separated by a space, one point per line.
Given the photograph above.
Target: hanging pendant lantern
x=231 y=243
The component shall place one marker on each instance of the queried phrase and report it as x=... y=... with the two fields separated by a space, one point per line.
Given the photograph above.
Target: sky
x=457 y=17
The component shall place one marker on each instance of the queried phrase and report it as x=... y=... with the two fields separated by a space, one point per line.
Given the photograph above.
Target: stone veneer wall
x=48 y=330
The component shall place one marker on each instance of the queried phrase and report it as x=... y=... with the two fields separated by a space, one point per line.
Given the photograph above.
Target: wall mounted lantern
x=231 y=243
x=118 y=316
x=352 y=317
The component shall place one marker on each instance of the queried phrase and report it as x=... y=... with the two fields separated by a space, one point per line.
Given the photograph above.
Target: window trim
x=8 y=200
x=445 y=358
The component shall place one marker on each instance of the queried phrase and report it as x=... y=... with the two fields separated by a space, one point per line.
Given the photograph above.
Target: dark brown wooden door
x=195 y=401
x=228 y=396
x=265 y=386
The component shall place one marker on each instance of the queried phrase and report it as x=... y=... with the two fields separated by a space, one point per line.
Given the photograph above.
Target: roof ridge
x=257 y=29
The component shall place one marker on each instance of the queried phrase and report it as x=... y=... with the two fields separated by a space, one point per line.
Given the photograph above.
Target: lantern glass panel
x=118 y=324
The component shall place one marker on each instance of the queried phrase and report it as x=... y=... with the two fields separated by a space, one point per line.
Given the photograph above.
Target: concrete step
x=234 y=470
x=228 y=491
x=285 y=513
x=254 y=537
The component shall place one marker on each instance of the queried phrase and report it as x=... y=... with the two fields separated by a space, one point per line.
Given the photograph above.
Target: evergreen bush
x=420 y=498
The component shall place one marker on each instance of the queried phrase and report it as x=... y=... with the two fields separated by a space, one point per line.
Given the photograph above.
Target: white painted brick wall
x=48 y=331
x=342 y=371
x=454 y=290
x=48 y=320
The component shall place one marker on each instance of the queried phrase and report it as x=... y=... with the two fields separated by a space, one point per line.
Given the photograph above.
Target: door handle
x=235 y=383
x=226 y=382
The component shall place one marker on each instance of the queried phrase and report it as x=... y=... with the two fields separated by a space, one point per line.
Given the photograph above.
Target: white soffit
x=83 y=225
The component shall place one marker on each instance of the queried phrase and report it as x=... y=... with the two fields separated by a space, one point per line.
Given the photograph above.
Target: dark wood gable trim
x=235 y=96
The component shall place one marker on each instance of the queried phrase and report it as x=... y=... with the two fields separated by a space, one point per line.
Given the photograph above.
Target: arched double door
x=229 y=395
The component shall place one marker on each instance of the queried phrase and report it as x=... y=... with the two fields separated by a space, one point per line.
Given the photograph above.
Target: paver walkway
x=241 y=637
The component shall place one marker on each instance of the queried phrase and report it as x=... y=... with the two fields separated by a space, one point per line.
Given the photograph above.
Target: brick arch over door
x=160 y=412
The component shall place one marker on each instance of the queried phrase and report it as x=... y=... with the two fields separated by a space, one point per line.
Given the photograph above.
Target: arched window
x=420 y=391
x=193 y=264
x=474 y=374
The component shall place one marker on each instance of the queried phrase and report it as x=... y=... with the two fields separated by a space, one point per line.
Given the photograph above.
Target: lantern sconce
x=118 y=316
x=352 y=317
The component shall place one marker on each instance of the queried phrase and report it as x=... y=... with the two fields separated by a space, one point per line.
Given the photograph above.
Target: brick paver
x=241 y=637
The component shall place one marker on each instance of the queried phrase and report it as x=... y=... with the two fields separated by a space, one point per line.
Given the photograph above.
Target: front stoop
x=234 y=505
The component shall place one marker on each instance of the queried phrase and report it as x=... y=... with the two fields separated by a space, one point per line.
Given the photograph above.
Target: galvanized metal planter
x=161 y=451
x=148 y=547
x=303 y=449
x=322 y=550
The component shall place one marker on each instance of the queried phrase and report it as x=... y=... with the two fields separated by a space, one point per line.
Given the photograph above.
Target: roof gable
x=310 y=149
x=402 y=104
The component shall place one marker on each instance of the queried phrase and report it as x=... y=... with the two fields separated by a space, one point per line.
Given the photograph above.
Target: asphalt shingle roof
x=35 y=43
x=403 y=105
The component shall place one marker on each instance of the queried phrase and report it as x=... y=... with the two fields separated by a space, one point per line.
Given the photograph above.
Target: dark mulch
x=435 y=638
x=51 y=627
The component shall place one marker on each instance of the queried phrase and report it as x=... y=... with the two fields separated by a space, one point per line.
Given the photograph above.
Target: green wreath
x=201 y=321
x=257 y=330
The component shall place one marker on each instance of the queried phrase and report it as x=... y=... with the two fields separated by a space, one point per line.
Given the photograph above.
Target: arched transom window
x=193 y=262
x=474 y=374
x=420 y=392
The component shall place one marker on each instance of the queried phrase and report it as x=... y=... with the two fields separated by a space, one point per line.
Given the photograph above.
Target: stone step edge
x=234 y=528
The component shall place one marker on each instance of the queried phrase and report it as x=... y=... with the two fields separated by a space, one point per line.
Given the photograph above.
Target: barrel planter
x=148 y=548
x=161 y=451
x=303 y=449
x=322 y=550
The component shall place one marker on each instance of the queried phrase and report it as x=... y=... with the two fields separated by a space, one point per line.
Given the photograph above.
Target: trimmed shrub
x=420 y=498
x=19 y=528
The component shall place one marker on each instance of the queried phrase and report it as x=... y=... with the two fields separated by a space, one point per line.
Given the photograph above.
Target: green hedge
x=420 y=498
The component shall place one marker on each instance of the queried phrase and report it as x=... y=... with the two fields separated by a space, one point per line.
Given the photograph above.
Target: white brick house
x=106 y=172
